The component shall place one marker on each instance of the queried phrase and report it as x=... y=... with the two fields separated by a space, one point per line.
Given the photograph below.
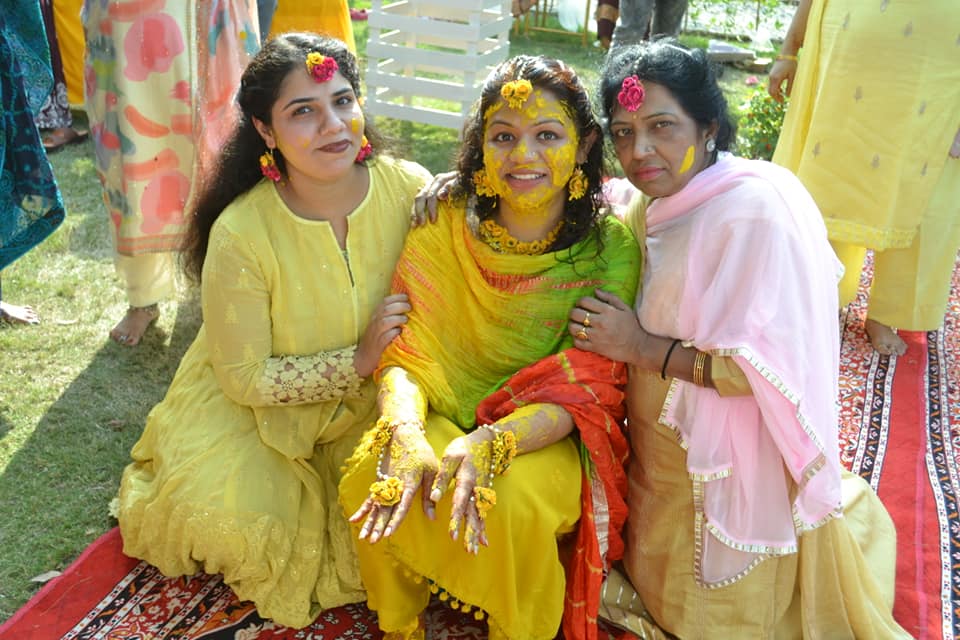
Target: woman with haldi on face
x=485 y=409
x=739 y=524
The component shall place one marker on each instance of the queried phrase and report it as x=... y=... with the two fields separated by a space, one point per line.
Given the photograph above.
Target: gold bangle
x=784 y=56
x=698 y=364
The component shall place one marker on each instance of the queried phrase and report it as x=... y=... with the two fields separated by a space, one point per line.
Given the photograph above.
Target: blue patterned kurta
x=30 y=203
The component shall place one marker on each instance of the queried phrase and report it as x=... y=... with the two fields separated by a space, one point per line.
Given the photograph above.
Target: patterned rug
x=106 y=596
x=900 y=430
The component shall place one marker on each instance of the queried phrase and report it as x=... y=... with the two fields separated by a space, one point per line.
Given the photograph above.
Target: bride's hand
x=466 y=461
x=425 y=202
x=408 y=465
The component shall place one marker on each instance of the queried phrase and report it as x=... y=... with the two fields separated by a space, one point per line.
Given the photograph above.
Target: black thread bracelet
x=666 y=359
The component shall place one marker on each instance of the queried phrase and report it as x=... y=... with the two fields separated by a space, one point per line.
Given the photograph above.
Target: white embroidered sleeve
x=327 y=375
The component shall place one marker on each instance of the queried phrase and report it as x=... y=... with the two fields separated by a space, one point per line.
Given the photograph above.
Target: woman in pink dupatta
x=741 y=522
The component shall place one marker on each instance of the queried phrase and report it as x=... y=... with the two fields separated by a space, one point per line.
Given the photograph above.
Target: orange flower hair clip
x=321 y=67
x=631 y=94
x=516 y=92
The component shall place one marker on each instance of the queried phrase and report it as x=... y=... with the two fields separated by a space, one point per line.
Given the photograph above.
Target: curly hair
x=581 y=215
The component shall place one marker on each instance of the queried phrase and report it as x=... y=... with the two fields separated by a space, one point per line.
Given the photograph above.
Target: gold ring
x=582 y=334
x=586 y=319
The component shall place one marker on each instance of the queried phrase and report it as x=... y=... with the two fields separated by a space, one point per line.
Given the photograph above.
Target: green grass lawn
x=72 y=403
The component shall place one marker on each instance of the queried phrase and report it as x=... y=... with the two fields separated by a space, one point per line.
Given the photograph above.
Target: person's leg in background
x=149 y=279
x=668 y=17
x=633 y=23
x=607 y=13
x=911 y=286
x=55 y=116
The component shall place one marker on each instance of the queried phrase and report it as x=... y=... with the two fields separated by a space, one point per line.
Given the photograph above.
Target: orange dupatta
x=590 y=388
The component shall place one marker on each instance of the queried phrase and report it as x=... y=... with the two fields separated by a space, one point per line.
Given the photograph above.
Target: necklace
x=499 y=239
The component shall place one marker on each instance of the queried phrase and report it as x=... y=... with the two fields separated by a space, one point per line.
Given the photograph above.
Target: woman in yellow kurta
x=490 y=285
x=237 y=469
x=873 y=132
x=741 y=523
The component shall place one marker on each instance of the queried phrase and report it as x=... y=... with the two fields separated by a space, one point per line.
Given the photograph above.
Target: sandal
x=59 y=138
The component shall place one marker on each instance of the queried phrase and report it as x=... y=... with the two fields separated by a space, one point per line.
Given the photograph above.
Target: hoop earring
x=268 y=166
x=577 y=185
x=711 y=145
x=365 y=150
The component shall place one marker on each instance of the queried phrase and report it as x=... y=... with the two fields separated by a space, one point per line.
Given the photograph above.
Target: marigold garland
x=499 y=239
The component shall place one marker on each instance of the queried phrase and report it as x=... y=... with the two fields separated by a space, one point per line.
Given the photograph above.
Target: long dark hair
x=686 y=73
x=581 y=215
x=237 y=169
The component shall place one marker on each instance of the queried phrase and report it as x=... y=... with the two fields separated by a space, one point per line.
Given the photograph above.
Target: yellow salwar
x=838 y=585
x=329 y=17
x=478 y=317
x=872 y=115
x=237 y=469
x=66 y=14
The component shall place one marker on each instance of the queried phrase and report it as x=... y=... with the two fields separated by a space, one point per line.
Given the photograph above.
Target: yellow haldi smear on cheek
x=560 y=160
x=688 y=160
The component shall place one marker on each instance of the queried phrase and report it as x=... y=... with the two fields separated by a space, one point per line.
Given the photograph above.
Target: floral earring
x=481 y=182
x=268 y=166
x=365 y=150
x=577 y=185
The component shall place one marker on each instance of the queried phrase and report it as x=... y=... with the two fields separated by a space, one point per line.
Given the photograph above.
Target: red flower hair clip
x=631 y=93
x=321 y=67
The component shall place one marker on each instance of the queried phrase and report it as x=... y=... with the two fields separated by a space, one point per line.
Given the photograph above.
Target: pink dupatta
x=739 y=265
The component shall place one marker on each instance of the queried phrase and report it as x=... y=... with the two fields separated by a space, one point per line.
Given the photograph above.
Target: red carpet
x=900 y=430
x=106 y=596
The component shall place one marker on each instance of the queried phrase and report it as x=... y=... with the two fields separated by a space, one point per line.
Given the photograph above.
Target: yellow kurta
x=487 y=315
x=872 y=116
x=237 y=469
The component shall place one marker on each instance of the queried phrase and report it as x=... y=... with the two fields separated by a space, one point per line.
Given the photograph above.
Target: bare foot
x=884 y=339
x=130 y=330
x=18 y=315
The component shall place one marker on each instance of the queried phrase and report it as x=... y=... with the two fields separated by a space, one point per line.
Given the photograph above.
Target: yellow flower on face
x=516 y=92
x=387 y=492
